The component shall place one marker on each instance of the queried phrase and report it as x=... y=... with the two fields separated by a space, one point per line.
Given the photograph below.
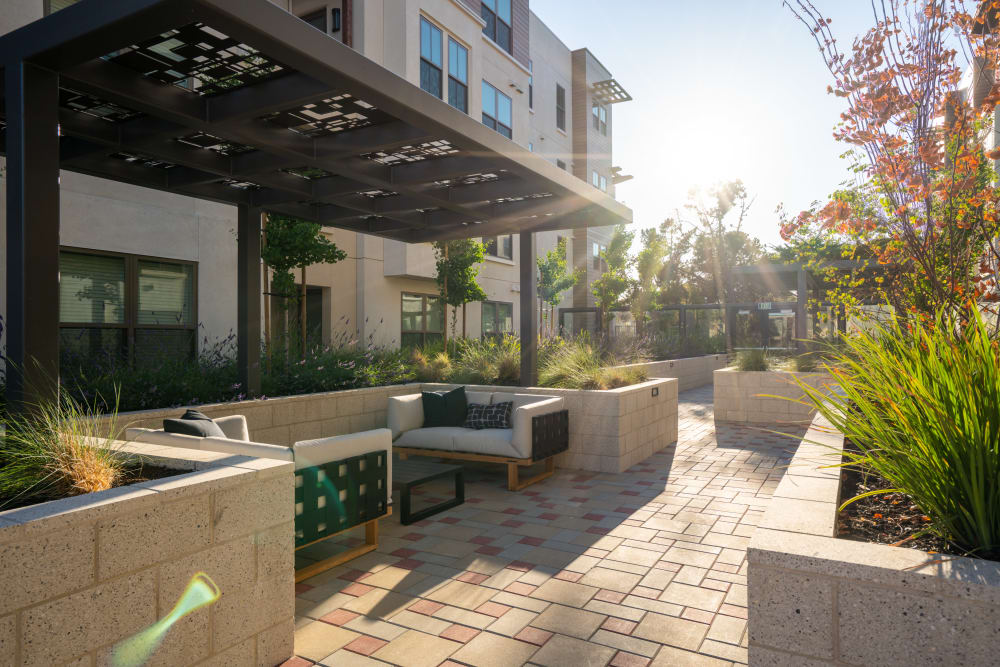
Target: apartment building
x=143 y=269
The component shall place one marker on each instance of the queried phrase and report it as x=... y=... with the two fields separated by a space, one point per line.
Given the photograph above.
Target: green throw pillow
x=444 y=408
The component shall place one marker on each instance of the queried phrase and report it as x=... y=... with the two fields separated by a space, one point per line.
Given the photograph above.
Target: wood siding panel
x=520 y=15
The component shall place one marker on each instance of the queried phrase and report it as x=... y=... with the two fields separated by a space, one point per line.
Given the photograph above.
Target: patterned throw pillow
x=482 y=416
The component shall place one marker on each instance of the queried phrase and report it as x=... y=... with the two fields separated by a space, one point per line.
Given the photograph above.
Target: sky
x=722 y=90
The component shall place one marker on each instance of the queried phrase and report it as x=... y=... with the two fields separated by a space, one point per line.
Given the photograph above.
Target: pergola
x=238 y=101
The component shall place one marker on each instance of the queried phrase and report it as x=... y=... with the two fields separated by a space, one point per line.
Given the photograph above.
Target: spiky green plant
x=752 y=360
x=921 y=403
x=57 y=448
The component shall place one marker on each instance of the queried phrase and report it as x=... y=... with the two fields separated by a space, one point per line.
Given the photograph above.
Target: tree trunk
x=444 y=300
x=302 y=313
x=463 y=321
x=267 y=302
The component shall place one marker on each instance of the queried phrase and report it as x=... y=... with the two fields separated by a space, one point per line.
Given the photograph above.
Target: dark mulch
x=144 y=473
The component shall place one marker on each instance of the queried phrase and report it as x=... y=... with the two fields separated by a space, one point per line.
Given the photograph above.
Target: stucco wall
x=83 y=573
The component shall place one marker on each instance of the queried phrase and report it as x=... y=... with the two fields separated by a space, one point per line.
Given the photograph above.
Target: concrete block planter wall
x=815 y=599
x=610 y=431
x=82 y=573
x=691 y=372
x=750 y=396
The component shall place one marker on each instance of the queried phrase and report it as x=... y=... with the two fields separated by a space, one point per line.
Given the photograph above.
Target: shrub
x=58 y=449
x=579 y=365
x=921 y=405
x=805 y=362
x=430 y=366
x=488 y=361
x=752 y=360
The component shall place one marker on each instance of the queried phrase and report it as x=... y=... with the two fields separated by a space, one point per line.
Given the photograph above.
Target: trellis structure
x=238 y=101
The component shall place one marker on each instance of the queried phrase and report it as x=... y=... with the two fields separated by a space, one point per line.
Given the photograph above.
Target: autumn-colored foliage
x=923 y=215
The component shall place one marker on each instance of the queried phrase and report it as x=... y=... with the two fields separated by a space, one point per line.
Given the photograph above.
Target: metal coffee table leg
x=406 y=516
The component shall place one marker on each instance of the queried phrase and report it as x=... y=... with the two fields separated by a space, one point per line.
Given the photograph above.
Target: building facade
x=142 y=270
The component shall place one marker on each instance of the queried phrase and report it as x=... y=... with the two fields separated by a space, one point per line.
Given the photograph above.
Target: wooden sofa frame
x=549 y=436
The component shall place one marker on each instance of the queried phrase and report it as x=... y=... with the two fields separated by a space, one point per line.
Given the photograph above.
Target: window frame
x=131 y=299
x=312 y=16
x=604 y=183
x=560 y=107
x=425 y=310
x=497 y=331
x=47 y=7
x=493 y=20
x=561 y=164
x=531 y=85
x=439 y=67
x=459 y=84
x=595 y=179
x=494 y=241
x=494 y=118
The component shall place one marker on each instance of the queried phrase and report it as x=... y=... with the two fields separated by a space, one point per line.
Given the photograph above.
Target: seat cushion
x=405 y=414
x=490 y=441
x=444 y=408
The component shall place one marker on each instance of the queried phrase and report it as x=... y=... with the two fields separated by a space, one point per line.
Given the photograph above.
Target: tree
x=722 y=241
x=926 y=209
x=457 y=270
x=291 y=244
x=553 y=279
x=672 y=278
x=611 y=288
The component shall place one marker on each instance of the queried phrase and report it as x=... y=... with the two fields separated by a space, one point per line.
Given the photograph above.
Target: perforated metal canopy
x=240 y=102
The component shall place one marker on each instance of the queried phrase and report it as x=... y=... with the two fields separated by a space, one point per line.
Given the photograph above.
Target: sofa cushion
x=323 y=450
x=521 y=420
x=193 y=423
x=405 y=414
x=488 y=416
x=444 y=408
x=483 y=397
x=519 y=400
x=247 y=448
x=490 y=441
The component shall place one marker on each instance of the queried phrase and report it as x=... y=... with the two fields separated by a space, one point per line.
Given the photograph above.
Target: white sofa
x=341 y=481
x=539 y=431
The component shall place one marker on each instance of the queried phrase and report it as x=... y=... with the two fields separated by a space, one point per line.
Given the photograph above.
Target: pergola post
x=32 y=318
x=802 y=297
x=529 y=311
x=248 y=299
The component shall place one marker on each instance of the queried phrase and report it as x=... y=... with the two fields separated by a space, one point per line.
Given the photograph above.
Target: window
x=560 y=107
x=600 y=116
x=595 y=180
x=604 y=183
x=561 y=164
x=430 y=57
x=599 y=262
x=496 y=13
x=531 y=85
x=53 y=6
x=498 y=318
x=422 y=320
x=531 y=147
x=497 y=110
x=500 y=246
x=604 y=121
x=316 y=20
x=458 y=76
x=127 y=306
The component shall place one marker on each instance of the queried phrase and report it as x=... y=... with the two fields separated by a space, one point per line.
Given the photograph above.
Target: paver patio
x=644 y=567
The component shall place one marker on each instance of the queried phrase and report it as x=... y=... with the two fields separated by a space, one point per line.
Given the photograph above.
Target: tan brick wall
x=815 y=599
x=691 y=373
x=763 y=396
x=81 y=574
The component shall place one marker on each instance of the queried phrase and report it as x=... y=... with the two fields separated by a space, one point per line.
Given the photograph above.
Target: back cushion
x=444 y=408
x=194 y=423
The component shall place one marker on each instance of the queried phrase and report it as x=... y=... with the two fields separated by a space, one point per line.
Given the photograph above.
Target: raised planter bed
x=610 y=430
x=815 y=599
x=690 y=372
x=85 y=572
x=763 y=396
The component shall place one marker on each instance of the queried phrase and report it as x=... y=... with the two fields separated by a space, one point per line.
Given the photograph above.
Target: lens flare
x=136 y=650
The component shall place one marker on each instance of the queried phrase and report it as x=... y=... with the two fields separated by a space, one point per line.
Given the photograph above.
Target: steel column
x=248 y=296
x=802 y=297
x=32 y=318
x=529 y=311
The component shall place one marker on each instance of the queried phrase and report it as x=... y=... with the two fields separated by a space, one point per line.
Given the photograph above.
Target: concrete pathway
x=644 y=567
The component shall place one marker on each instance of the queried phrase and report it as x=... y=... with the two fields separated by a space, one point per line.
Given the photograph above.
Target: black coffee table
x=411 y=472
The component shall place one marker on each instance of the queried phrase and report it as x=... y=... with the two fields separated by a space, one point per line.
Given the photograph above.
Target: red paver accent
x=493 y=609
x=521 y=588
x=354 y=575
x=698 y=615
x=488 y=550
x=733 y=610
x=645 y=483
x=549 y=516
x=296 y=662
x=629 y=493
x=533 y=541
x=413 y=537
x=472 y=577
x=459 y=633
x=365 y=645
x=626 y=510
x=423 y=523
x=566 y=575
x=548 y=506
x=408 y=564
x=512 y=523
x=512 y=510
x=449 y=519
x=591 y=516
x=339 y=617
x=302 y=588
x=404 y=553
x=619 y=625
x=521 y=566
x=604 y=595
x=623 y=659
x=579 y=499
x=357 y=590
x=482 y=539
x=426 y=607
x=533 y=636
x=597 y=530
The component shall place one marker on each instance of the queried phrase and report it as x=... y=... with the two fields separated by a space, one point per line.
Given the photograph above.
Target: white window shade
x=166 y=293
x=91 y=289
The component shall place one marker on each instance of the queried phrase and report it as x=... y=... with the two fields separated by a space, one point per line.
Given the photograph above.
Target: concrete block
x=791 y=611
x=248 y=509
x=8 y=640
x=275 y=550
x=275 y=645
x=253 y=609
x=45 y=567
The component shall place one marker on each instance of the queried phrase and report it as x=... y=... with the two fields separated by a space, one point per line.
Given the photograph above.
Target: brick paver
x=644 y=566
